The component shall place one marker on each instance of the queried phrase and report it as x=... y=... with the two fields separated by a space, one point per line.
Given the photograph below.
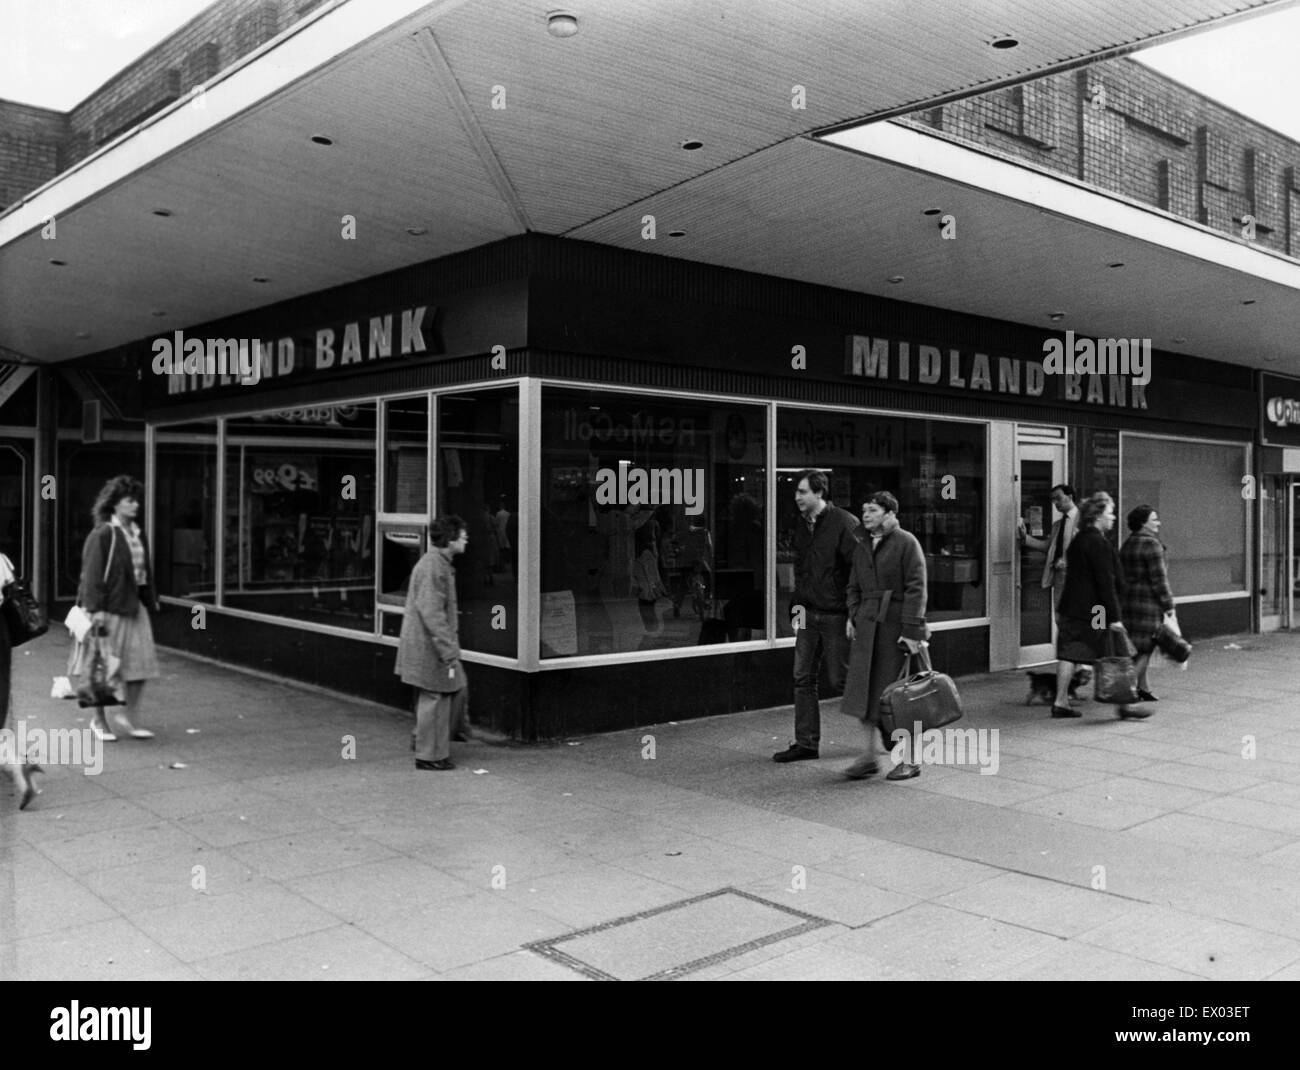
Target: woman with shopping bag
x=886 y=624
x=18 y=768
x=117 y=591
x=1148 y=601
x=1090 y=621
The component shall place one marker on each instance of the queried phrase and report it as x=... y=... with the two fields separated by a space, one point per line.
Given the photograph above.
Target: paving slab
x=1151 y=850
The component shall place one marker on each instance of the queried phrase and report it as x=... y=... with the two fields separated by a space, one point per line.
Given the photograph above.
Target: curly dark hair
x=446 y=529
x=114 y=491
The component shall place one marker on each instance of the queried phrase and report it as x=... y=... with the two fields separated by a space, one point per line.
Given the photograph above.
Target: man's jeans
x=823 y=636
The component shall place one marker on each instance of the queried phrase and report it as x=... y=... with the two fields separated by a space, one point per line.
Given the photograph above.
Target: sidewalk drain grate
x=672 y=941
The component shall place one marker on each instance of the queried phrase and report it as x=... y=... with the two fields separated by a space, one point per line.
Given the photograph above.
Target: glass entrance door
x=1041 y=467
x=1275 y=528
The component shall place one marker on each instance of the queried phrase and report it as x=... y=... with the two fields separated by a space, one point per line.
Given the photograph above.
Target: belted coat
x=886 y=602
x=428 y=653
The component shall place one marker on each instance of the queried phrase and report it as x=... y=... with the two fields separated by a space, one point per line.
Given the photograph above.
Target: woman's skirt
x=1078 y=641
x=129 y=639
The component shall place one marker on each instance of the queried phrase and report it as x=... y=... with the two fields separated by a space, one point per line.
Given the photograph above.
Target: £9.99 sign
x=268 y=479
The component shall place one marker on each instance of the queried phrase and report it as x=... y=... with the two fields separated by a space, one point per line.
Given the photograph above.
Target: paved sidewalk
x=243 y=843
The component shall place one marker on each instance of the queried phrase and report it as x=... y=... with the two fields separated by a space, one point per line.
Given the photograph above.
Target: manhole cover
x=674 y=940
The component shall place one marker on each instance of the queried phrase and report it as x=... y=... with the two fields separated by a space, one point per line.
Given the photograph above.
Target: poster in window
x=559 y=624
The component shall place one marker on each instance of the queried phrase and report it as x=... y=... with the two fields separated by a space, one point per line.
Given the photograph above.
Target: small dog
x=1042 y=685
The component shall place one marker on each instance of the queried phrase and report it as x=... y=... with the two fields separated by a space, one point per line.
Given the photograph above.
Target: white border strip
x=319 y=40
x=1062 y=196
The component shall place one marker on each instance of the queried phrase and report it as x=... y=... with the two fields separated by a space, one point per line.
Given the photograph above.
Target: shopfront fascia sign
x=1279 y=410
x=888 y=359
x=333 y=347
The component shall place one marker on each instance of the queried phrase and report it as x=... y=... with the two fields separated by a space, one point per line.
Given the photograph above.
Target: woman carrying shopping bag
x=1090 y=612
x=117 y=591
x=1147 y=597
x=20 y=770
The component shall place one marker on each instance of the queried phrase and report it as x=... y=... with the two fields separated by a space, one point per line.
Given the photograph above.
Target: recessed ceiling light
x=933 y=211
x=164 y=212
x=1270 y=359
x=1004 y=41
x=59 y=263
x=415 y=232
x=260 y=278
x=86 y=334
x=1179 y=340
x=1056 y=317
x=1118 y=263
x=1250 y=301
x=561 y=24
x=677 y=234
x=895 y=279
x=692 y=144
x=157 y=312
x=321 y=139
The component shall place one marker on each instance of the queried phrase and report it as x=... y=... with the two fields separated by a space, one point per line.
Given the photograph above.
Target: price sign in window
x=273 y=479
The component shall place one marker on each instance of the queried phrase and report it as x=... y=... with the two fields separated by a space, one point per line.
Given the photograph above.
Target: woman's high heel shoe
x=126 y=727
x=29 y=786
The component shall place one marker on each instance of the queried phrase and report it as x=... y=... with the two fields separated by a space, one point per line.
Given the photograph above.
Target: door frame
x=1280 y=486
x=1036 y=444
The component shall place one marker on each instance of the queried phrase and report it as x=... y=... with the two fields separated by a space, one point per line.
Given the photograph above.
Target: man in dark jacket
x=824 y=541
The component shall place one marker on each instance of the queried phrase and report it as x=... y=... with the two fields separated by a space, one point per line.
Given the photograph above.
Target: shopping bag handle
x=1112 y=643
x=923 y=656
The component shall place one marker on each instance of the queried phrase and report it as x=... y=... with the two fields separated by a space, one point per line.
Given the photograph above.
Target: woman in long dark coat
x=886 y=607
x=1147 y=597
x=1093 y=581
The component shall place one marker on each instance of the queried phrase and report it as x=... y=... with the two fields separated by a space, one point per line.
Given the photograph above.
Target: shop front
x=622 y=434
x=1279 y=500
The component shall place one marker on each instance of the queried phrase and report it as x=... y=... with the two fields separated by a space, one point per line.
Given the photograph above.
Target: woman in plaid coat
x=1147 y=597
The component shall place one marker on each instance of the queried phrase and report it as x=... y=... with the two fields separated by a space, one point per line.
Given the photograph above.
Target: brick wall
x=30 y=140
x=1123 y=127
x=36 y=144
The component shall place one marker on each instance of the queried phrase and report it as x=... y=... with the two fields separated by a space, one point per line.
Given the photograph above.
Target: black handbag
x=1171 y=644
x=24 y=617
x=925 y=696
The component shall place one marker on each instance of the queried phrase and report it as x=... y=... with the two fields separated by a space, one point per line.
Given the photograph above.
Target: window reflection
x=186 y=473
x=935 y=468
x=652 y=523
x=300 y=514
x=478 y=470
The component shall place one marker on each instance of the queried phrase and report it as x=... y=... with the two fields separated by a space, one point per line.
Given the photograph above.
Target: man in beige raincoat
x=428 y=656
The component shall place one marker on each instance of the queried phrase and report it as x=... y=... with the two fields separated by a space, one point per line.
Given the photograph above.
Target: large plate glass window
x=935 y=468
x=1195 y=487
x=652 y=523
x=300 y=514
x=83 y=471
x=478 y=480
x=185 y=496
x=15 y=458
x=404 y=520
